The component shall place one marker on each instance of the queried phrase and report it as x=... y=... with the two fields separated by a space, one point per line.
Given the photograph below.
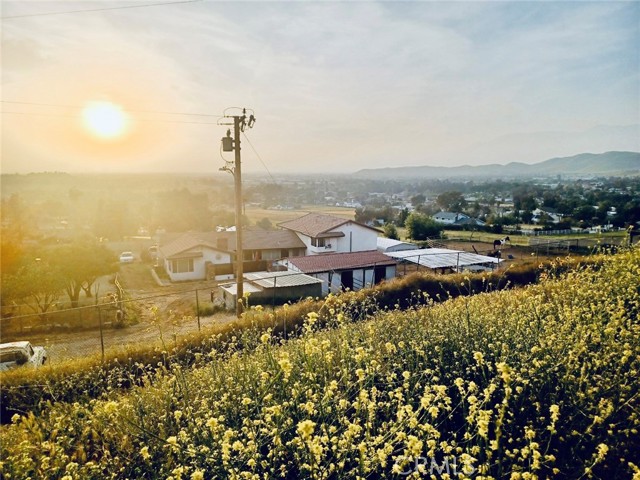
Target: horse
x=499 y=243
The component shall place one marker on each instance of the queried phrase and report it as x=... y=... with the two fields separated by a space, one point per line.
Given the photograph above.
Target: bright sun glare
x=105 y=119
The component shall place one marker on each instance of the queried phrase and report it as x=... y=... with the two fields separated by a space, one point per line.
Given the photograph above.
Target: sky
x=336 y=86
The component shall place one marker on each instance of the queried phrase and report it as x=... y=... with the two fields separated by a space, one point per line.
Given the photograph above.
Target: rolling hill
x=584 y=164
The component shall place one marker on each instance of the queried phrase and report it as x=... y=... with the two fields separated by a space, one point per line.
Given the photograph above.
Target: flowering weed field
x=540 y=382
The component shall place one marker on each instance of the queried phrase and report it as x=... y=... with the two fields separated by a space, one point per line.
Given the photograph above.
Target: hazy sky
x=335 y=86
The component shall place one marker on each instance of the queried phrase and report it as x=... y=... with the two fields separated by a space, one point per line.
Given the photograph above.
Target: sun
x=105 y=120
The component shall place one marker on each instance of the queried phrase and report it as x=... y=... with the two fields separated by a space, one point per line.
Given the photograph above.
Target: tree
x=390 y=231
x=419 y=227
x=418 y=199
x=402 y=216
x=79 y=264
x=37 y=283
x=265 y=224
x=452 y=201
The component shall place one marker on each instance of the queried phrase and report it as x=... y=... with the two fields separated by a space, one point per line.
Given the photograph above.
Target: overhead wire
x=259 y=157
x=159 y=112
x=77 y=116
x=102 y=9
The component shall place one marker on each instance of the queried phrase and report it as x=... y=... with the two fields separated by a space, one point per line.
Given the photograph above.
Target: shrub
x=530 y=383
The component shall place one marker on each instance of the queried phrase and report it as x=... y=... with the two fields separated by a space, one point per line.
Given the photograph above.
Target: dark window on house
x=379 y=274
x=182 y=265
x=317 y=242
x=284 y=253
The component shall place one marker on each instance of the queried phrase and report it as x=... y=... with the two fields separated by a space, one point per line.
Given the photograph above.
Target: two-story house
x=328 y=234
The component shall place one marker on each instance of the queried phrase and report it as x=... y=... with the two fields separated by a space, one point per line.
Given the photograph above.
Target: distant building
x=450 y=218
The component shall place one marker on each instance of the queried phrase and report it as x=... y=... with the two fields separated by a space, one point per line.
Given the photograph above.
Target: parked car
x=126 y=257
x=15 y=354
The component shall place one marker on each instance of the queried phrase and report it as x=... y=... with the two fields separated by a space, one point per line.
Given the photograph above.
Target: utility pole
x=240 y=122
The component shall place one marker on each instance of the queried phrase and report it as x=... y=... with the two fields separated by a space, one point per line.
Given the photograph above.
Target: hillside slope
x=538 y=381
x=584 y=164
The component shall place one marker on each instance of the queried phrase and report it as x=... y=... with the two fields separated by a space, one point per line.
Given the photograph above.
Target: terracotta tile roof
x=340 y=261
x=317 y=224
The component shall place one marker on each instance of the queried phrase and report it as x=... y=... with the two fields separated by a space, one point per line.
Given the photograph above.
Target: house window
x=182 y=265
x=317 y=242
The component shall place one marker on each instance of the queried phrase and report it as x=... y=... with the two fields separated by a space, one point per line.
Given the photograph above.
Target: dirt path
x=174 y=317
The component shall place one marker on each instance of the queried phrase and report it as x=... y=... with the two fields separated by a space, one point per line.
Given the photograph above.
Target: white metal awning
x=442 y=258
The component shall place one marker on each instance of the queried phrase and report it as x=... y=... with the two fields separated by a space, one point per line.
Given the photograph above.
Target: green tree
x=79 y=264
x=37 y=284
x=390 y=231
x=419 y=227
x=402 y=216
x=418 y=199
x=452 y=201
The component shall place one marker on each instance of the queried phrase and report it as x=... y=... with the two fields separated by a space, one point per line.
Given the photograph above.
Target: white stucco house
x=191 y=255
x=449 y=218
x=323 y=234
x=550 y=213
x=211 y=255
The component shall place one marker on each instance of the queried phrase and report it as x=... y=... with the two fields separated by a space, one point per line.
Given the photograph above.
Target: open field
x=255 y=214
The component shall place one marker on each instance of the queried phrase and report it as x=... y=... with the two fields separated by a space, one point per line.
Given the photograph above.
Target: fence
x=113 y=321
x=116 y=320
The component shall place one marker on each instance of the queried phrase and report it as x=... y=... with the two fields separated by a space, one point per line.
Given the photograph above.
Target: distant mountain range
x=584 y=164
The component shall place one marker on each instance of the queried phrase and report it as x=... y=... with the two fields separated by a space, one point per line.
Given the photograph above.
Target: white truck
x=15 y=354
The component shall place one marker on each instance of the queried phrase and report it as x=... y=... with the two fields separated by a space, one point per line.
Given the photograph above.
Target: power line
x=97 y=9
x=259 y=158
x=159 y=112
x=78 y=116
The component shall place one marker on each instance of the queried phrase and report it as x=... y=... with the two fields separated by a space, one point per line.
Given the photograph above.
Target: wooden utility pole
x=228 y=144
x=237 y=175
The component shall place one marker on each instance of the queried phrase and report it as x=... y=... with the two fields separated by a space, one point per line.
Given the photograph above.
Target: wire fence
x=114 y=321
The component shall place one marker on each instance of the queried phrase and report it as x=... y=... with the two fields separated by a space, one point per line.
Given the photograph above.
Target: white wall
x=199 y=269
x=356 y=238
x=336 y=280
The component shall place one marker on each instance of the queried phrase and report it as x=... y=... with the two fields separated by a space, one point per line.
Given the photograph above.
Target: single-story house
x=271 y=288
x=549 y=213
x=340 y=271
x=390 y=245
x=194 y=256
x=449 y=218
x=328 y=234
x=211 y=255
